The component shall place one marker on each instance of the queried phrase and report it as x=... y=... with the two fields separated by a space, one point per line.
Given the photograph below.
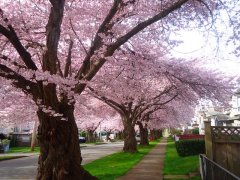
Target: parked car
x=138 y=138
x=82 y=139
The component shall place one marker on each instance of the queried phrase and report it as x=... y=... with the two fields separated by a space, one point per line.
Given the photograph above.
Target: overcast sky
x=208 y=46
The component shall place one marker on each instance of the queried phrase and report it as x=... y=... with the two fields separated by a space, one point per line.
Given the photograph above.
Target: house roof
x=213 y=113
x=222 y=117
x=228 y=118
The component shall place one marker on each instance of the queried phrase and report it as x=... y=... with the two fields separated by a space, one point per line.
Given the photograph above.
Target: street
x=25 y=168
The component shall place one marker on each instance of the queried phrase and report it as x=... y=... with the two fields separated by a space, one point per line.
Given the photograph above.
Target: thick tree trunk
x=60 y=156
x=143 y=134
x=91 y=136
x=130 y=143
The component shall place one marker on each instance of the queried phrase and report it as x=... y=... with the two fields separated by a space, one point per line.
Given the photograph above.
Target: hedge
x=190 y=147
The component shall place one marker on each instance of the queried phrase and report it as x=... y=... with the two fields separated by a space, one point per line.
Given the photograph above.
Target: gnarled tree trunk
x=130 y=143
x=60 y=156
x=143 y=134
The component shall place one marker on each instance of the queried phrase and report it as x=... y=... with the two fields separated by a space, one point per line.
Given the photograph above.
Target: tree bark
x=91 y=136
x=153 y=134
x=143 y=134
x=33 y=141
x=60 y=157
x=108 y=136
x=120 y=135
x=130 y=143
x=159 y=134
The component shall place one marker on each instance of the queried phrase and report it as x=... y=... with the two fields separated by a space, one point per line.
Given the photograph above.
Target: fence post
x=208 y=140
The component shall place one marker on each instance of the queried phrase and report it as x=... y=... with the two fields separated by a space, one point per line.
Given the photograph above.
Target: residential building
x=219 y=116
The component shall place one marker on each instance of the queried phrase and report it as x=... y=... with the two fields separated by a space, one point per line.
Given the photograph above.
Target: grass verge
x=176 y=165
x=23 y=150
x=117 y=164
x=3 y=158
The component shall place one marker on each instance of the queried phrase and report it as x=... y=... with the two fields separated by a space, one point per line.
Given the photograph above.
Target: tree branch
x=97 y=42
x=53 y=30
x=11 y=35
x=79 y=40
x=19 y=81
x=118 y=107
x=68 y=60
x=146 y=23
x=88 y=73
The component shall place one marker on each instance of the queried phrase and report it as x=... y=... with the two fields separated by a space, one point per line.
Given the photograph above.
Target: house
x=21 y=138
x=219 y=116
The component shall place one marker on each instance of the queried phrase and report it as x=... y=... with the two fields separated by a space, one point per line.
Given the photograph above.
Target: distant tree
x=50 y=49
x=137 y=91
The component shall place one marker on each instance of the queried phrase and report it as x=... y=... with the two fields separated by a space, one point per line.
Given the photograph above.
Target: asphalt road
x=25 y=168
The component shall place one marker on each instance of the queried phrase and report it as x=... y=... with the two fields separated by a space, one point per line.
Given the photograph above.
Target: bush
x=5 y=141
x=190 y=147
x=195 y=131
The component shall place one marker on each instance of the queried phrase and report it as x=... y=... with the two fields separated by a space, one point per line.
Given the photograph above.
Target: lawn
x=117 y=164
x=176 y=165
x=23 y=150
x=2 y=158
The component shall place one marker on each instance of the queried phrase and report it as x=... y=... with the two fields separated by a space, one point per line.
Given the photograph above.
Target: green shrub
x=190 y=147
x=195 y=131
x=5 y=141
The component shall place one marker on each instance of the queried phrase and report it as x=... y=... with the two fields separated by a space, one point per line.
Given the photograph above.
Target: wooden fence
x=223 y=146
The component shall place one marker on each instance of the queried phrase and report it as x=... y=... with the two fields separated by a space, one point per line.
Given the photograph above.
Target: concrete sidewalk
x=151 y=166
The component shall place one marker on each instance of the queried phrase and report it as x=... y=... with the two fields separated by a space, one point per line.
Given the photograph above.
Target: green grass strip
x=3 y=158
x=23 y=150
x=176 y=165
x=117 y=164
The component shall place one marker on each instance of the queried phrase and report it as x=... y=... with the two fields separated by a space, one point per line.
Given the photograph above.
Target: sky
x=217 y=52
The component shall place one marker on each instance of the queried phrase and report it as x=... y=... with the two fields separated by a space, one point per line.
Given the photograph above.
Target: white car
x=138 y=138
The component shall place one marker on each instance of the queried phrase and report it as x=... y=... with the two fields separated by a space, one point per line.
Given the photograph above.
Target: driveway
x=25 y=168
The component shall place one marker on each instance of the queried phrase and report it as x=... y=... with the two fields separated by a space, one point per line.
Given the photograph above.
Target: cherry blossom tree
x=50 y=49
x=91 y=114
x=143 y=90
x=231 y=18
x=17 y=111
x=112 y=124
x=88 y=119
x=172 y=115
x=15 y=107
